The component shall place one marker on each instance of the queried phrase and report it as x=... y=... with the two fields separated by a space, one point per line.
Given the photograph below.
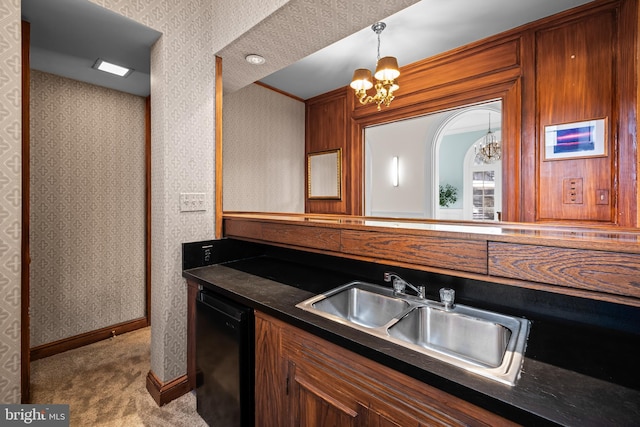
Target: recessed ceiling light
x=108 y=67
x=255 y=59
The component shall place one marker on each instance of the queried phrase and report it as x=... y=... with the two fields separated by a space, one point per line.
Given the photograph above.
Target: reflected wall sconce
x=386 y=76
x=395 y=171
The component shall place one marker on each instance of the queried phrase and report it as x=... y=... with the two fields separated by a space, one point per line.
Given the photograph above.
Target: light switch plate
x=192 y=202
x=602 y=197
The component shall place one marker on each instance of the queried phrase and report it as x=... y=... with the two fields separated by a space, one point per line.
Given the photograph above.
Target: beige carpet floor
x=105 y=385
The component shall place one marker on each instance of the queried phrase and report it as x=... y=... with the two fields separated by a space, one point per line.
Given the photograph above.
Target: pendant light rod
x=378 y=28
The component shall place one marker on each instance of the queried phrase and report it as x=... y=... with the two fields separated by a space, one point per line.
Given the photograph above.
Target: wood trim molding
x=281 y=92
x=628 y=161
x=218 y=149
x=192 y=295
x=147 y=238
x=24 y=251
x=76 y=341
x=165 y=393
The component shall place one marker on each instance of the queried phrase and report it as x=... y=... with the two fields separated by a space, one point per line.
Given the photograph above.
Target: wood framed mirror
x=325 y=172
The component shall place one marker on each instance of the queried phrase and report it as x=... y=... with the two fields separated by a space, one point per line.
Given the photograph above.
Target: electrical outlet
x=206 y=254
x=192 y=202
x=572 y=191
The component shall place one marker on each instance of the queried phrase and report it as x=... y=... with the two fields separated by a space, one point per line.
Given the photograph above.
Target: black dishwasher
x=224 y=361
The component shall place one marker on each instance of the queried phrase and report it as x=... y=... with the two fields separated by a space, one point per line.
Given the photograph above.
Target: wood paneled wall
x=575 y=81
x=327 y=128
x=577 y=65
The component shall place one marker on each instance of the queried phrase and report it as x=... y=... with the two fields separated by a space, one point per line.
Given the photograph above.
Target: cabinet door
x=305 y=381
x=321 y=404
x=270 y=371
x=378 y=420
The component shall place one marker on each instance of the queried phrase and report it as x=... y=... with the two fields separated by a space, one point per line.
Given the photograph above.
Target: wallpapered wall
x=10 y=199
x=263 y=151
x=182 y=157
x=182 y=89
x=182 y=86
x=87 y=207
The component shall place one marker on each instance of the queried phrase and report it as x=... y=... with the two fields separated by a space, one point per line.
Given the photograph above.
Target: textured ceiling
x=296 y=30
x=311 y=46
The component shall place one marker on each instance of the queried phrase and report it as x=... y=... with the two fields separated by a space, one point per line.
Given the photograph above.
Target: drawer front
x=309 y=237
x=243 y=229
x=601 y=271
x=455 y=254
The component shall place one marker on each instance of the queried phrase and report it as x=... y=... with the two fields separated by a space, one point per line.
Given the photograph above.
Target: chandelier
x=489 y=150
x=386 y=74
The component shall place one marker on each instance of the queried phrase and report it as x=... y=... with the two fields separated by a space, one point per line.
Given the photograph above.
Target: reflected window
x=484 y=190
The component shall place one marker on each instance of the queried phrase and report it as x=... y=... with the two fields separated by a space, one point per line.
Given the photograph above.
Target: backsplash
x=514 y=300
x=209 y=252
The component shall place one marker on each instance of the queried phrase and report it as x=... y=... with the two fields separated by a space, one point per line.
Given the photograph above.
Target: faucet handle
x=447 y=297
x=399 y=285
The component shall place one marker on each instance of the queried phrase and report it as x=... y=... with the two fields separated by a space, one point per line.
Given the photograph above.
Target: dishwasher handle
x=222 y=306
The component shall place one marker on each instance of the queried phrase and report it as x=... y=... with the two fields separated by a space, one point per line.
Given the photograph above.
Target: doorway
x=82 y=208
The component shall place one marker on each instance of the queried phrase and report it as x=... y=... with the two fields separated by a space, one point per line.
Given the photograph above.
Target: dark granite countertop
x=549 y=391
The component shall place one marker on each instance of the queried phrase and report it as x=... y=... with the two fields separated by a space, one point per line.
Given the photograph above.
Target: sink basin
x=483 y=342
x=359 y=303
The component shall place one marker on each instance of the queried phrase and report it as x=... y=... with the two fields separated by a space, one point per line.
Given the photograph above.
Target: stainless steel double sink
x=483 y=342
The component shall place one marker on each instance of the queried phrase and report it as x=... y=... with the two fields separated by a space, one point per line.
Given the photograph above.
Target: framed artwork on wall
x=576 y=140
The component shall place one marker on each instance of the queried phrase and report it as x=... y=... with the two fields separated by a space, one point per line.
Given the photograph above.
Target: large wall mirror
x=444 y=165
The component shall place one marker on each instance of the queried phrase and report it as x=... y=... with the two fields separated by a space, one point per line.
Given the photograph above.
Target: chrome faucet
x=400 y=285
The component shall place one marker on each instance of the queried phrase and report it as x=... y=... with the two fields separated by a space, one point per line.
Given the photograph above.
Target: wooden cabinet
x=303 y=380
x=318 y=400
x=271 y=377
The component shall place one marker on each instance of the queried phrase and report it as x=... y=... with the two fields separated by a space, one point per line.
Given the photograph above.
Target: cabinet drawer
x=297 y=235
x=440 y=252
x=611 y=272
x=240 y=228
